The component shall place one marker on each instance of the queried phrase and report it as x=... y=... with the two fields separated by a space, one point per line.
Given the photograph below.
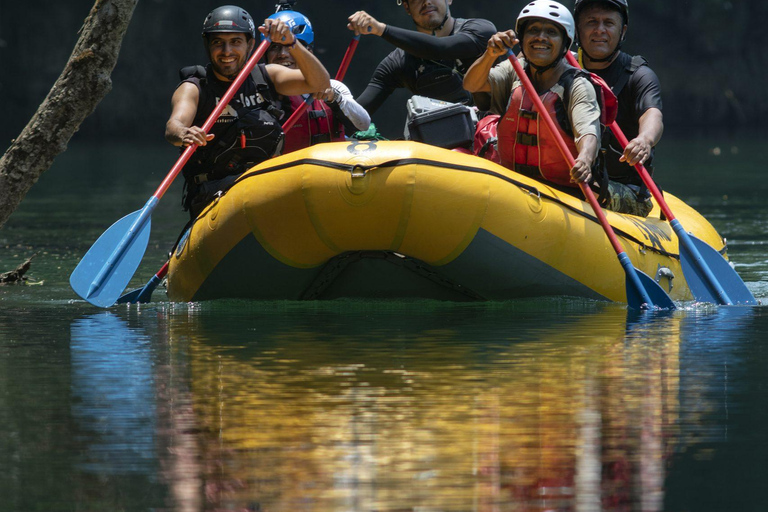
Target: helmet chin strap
x=445 y=20
x=538 y=70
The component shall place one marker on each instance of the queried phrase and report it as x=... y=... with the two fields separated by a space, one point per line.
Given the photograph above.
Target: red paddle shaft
x=339 y=76
x=641 y=170
x=223 y=102
x=543 y=114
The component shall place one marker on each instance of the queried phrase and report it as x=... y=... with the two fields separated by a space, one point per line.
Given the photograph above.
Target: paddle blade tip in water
x=102 y=275
x=141 y=295
x=721 y=269
x=659 y=298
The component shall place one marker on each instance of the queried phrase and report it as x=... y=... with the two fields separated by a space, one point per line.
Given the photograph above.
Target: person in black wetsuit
x=601 y=26
x=430 y=61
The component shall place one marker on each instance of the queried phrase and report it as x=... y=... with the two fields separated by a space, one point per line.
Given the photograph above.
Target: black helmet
x=229 y=18
x=621 y=5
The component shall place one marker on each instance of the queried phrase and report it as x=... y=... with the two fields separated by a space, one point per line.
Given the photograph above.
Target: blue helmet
x=299 y=25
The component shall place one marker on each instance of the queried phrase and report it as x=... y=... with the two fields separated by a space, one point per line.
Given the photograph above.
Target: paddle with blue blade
x=108 y=266
x=642 y=291
x=710 y=277
x=144 y=294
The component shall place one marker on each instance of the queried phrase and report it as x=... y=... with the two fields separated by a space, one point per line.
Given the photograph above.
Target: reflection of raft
x=403 y=219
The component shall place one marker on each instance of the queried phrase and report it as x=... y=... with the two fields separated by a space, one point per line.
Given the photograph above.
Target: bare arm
x=582 y=170
x=651 y=127
x=179 y=130
x=476 y=79
x=311 y=76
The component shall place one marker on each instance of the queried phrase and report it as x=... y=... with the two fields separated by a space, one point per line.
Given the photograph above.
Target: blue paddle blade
x=722 y=271
x=141 y=295
x=108 y=266
x=133 y=297
x=656 y=293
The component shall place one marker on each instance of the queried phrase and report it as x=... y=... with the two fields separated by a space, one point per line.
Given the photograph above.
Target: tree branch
x=79 y=89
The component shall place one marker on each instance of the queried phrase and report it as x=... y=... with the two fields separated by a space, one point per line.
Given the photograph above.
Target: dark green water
x=554 y=404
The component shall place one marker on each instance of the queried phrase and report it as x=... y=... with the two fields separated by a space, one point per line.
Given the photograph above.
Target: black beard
x=430 y=27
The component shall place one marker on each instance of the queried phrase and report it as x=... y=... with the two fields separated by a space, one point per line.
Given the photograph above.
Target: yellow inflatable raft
x=404 y=219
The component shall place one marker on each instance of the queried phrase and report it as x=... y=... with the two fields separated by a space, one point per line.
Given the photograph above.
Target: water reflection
x=339 y=407
x=576 y=415
x=113 y=391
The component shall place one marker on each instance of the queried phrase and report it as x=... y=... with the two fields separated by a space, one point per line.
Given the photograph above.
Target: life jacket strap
x=317 y=114
x=527 y=139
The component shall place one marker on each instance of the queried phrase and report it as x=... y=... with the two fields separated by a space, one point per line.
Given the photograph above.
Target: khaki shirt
x=584 y=113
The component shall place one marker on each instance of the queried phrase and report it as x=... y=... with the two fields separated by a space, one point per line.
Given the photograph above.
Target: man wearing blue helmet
x=330 y=112
x=429 y=61
x=247 y=132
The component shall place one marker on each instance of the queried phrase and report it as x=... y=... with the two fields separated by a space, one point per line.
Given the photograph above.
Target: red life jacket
x=527 y=146
x=316 y=125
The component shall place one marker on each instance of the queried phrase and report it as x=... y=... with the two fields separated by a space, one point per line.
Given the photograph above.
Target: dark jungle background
x=708 y=54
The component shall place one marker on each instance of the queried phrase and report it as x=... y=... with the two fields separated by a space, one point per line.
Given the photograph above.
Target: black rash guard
x=428 y=65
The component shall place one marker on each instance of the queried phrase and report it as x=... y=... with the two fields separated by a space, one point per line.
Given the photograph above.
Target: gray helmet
x=229 y=18
x=621 y=5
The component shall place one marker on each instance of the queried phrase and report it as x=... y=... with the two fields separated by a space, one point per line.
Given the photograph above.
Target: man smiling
x=247 y=131
x=601 y=27
x=430 y=61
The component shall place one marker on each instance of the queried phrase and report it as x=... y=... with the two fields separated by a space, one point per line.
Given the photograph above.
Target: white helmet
x=551 y=11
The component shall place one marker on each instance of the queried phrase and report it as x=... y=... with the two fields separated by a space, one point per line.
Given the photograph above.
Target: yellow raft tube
x=405 y=219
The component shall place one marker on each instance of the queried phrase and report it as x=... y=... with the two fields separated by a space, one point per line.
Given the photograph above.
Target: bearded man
x=429 y=61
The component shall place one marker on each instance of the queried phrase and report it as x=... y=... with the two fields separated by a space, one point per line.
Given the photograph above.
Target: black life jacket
x=246 y=133
x=443 y=79
x=610 y=147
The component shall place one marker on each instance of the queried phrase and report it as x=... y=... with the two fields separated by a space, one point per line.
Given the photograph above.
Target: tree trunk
x=79 y=89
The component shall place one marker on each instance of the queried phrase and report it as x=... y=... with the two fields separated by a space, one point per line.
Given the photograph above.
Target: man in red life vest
x=525 y=145
x=330 y=112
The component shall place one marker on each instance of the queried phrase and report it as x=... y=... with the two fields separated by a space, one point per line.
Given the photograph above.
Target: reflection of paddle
x=108 y=266
x=642 y=291
x=699 y=259
x=339 y=76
